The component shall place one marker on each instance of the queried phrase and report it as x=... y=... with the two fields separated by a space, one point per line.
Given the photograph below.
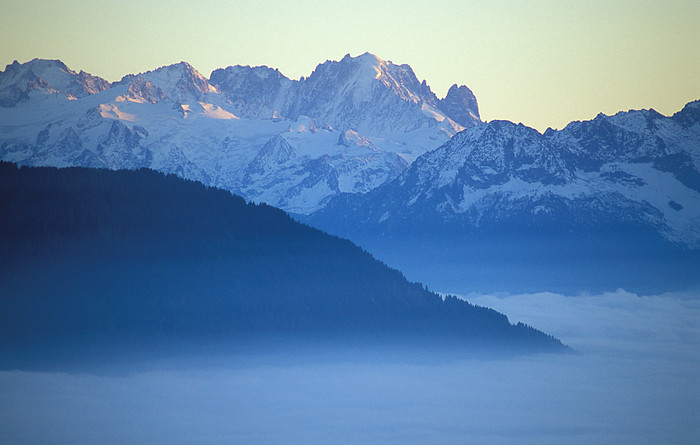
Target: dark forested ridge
x=137 y=256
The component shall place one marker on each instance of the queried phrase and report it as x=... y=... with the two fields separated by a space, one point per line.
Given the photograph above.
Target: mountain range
x=361 y=148
x=349 y=127
x=611 y=200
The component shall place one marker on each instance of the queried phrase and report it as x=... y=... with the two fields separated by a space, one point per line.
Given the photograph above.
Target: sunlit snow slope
x=349 y=127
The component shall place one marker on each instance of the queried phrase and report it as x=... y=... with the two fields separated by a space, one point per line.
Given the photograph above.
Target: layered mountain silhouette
x=362 y=149
x=108 y=259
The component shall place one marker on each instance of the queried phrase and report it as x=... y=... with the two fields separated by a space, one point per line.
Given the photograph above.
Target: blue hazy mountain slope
x=93 y=257
x=599 y=205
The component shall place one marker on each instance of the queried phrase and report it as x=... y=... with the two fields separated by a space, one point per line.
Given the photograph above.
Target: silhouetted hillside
x=139 y=257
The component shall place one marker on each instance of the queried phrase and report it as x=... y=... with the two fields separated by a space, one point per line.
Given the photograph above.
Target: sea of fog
x=634 y=379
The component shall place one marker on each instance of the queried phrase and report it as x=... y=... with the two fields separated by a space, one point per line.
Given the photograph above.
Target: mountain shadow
x=96 y=260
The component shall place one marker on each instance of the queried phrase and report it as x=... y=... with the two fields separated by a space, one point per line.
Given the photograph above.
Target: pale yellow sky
x=542 y=63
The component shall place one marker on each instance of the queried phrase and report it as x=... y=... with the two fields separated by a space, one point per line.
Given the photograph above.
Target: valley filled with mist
x=632 y=379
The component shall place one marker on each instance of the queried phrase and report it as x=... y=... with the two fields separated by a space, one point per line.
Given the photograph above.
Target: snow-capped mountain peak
x=369 y=95
x=47 y=77
x=362 y=93
x=180 y=82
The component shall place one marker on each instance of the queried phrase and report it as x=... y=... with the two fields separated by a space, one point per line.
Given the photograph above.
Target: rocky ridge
x=618 y=193
x=353 y=124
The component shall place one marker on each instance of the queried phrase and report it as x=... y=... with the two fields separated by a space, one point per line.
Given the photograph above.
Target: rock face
x=352 y=124
x=624 y=185
x=460 y=104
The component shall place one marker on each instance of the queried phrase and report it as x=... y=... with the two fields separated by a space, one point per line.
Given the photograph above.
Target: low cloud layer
x=632 y=380
x=618 y=322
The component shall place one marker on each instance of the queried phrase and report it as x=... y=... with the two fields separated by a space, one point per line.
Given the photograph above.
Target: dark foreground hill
x=137 y=258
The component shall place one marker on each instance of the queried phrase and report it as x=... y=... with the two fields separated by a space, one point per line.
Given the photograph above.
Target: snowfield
x=175 y=120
